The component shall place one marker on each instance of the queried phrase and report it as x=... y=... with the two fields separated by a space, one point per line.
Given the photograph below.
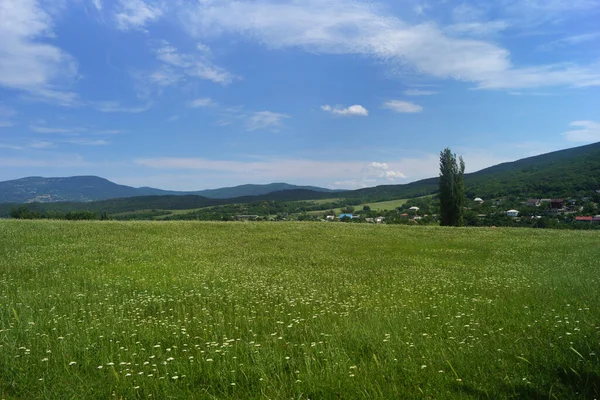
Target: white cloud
x=27 y=62
x=98 y=4
x=88 y=142
x=477 y=28
x=355 y=110
x=166 y=76
x=10 y=146
x=136 y=14
x=382 y=170
x=362 y=28
x=419 y=92
x=588 y=131
x=400 y=106
x=40 y=144
x=48 y=129
x=265 y=120
x=177 y=66
x=115 y=106
x=202 y=102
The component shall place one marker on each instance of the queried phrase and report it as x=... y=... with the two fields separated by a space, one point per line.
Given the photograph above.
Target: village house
x=478 y=200
x=512 y=213
x=533 y=202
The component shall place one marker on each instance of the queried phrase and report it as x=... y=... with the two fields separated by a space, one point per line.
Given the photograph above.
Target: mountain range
x=93 y=188
x=561 y=173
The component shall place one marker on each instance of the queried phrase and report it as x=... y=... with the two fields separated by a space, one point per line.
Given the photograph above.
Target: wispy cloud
x=180 y=66
x=27 y=61
x=98 y=4
x=88 y=142
x=419 y=92
x=10 y=146
x=570 y=41
x=344 y=174
x=477 y=28
x=136 y=14
x=265 y=120
x=202 y=102
x=6 y=113
x=382 y=170
x=400 y=106
x=40 y=144
x=586 y=131
x=50 y=129
x=252 y=120
x=115 y=106
x=340 y=27
x=36 y=144
x=355 y=110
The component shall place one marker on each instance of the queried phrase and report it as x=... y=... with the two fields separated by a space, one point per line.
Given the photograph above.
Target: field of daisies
x=186 y=310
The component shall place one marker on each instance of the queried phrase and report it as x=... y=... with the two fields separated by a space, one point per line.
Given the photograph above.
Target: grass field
x=386 y=205
x=296 y=311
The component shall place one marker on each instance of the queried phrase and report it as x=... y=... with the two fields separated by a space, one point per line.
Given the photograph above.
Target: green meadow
x=189 y=310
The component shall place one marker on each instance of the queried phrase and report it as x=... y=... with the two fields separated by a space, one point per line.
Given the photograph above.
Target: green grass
x=385 y=205
x=296 y=311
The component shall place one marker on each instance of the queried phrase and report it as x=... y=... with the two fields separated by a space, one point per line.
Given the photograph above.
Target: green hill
x=560 y=173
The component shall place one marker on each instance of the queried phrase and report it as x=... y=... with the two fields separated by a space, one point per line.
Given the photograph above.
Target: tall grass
x=296 y=311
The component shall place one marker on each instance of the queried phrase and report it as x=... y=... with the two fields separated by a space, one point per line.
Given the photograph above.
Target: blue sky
x=184 y=94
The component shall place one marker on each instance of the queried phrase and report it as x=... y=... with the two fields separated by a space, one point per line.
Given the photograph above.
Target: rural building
x=557 y=204
x=349 y=216
x=414 y=208
x=404 y=215
x=379 y=220
x=512 y=213
x=534 y=202
x=584 y=219
x=478 y=200
x=330 y=217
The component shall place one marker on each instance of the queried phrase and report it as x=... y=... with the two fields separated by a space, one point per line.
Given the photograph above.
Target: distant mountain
x=256 y=190
x=93 y=188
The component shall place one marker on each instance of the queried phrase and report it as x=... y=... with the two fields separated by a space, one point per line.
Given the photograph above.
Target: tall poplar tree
x=452 y=189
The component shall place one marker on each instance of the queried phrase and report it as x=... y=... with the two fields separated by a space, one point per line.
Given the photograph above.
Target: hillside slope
x=560 y=173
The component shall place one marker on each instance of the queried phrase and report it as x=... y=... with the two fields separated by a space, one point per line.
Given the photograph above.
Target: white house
x=414 y=208
x=379 y=220
x=512 y=213
x=478 y=200
x=330 y=217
